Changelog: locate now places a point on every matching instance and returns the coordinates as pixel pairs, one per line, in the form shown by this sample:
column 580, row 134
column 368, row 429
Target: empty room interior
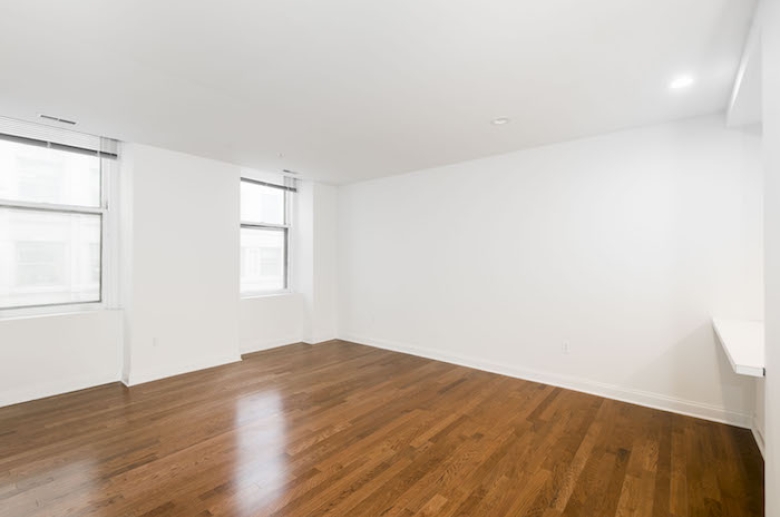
column 413, row 258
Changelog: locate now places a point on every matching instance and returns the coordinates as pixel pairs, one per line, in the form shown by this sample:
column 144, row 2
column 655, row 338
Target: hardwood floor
column 346, row 430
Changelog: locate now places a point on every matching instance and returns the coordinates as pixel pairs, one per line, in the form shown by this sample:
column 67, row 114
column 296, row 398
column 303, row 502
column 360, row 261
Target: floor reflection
column 24, row 494
column 261, row 468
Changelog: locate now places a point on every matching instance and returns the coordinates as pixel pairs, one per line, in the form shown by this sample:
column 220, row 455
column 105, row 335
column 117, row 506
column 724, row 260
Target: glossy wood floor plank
column 341, row 429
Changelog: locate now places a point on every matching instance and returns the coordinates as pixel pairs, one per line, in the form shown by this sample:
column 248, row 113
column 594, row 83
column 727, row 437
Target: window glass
column 261, row 204
column 263, row 259
column 48, row 258
column 40, row 175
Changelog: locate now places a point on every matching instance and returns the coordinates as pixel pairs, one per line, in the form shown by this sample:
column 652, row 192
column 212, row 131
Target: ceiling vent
column 57, row 119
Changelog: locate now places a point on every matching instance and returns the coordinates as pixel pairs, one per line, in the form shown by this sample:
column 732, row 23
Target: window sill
column 253, row 296
column 54, row 310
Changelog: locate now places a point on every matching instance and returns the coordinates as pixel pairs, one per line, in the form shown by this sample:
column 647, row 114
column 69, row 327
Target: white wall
column 182, row 305
column 271, row 321
column 759, row 415
column 303, row 256
column 623, row 245
column 182, row 301
column 325, row 316
column 315, row 270
column 47, row 355
column 770, row 36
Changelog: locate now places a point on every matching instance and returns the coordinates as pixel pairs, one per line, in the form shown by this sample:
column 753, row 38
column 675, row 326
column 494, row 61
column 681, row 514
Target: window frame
column 284, row 228
column 108, row 256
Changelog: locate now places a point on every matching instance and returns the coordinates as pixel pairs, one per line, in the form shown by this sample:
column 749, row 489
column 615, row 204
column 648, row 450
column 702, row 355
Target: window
column 52, row 222
column 264, row 237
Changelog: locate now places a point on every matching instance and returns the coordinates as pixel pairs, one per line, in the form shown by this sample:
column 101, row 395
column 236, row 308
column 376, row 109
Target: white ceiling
column 354, row 89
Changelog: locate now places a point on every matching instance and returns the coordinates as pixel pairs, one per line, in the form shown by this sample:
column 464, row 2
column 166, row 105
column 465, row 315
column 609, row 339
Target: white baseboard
column 758, row 436
column 57, row 387
column 611, row 391
column 249, row 346
column 169, row 371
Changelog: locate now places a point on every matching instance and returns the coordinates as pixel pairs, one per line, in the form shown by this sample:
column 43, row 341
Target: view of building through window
column 264, row 237
column 50, row 226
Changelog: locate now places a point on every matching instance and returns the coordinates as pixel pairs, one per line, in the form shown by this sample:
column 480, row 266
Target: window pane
column 261, row 204
column 41, row 175
column 48, row 258
column 262, row 259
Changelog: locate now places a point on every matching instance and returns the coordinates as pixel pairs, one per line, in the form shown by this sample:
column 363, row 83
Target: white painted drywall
column 770, row 36
column 183, row 301
column 47, row 355
column 315, row 267
column 759, row 415
column 324, row 315
column 183, row 307
column 624, row 245
column 302, row 244
column 271, row 321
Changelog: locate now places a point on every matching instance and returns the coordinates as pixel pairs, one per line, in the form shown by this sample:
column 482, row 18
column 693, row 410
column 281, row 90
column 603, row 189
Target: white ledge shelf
column 743, row 342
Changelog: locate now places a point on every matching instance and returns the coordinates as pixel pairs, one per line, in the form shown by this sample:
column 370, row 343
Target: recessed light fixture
column 681, row 82
column 500, row 121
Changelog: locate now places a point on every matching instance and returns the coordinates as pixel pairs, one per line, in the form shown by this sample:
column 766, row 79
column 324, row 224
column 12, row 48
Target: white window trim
column 288, row 245
column 109, row 259
column 51, row 310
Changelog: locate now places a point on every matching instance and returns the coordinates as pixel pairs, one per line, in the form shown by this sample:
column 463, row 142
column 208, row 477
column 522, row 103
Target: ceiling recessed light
column 681, row 81
column 500, row 121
